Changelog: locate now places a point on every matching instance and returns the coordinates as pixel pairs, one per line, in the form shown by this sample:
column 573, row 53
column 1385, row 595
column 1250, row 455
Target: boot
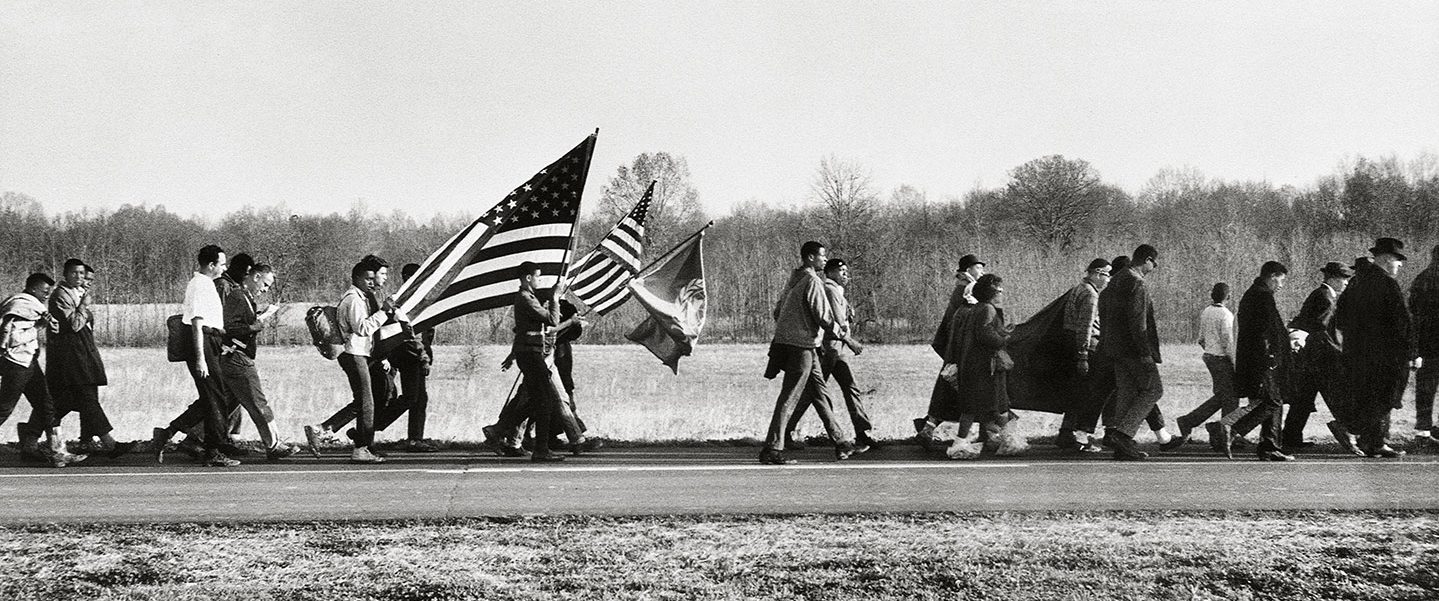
column 59, row 457
column 30, row 443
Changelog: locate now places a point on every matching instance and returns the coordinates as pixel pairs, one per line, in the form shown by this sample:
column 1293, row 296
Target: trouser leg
column 824, row 406
column 843, row 376
column 357, row 371
column 1098, row 386
column 545, row 399
column 513, row 415
column 84, row 400
column 1426, row 382
column 1137, row 389
column 244, row 382
column 797, row 364
column 214, row 401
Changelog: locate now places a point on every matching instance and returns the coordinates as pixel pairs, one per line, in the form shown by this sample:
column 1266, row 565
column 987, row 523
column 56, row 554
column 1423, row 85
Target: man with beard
column 1379, row 346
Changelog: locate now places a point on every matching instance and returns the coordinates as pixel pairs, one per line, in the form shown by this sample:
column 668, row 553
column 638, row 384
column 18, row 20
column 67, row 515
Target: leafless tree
column 675, row 206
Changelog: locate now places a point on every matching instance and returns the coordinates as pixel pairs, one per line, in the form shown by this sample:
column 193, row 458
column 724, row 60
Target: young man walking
column 530, row 350
column 1093, row 374
column 1128, row 338
column 834, row 357
column 21, row 318
column 804, row 316
column 1261, row 366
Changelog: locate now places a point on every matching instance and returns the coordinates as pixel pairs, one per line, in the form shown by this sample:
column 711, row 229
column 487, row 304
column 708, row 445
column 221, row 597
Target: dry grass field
column 624, row 393
column 1379, row 556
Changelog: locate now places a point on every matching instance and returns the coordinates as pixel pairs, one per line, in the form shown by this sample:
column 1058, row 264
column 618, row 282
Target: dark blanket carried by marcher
column 1043, row 375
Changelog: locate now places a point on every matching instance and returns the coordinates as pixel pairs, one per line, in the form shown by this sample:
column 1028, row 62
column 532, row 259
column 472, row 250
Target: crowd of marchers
column 1353, row 342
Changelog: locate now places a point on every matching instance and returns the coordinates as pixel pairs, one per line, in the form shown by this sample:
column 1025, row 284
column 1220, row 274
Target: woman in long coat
column 977, row 347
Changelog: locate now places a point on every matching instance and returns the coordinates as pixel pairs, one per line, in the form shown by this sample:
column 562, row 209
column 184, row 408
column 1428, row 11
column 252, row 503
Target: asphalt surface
column 711, row 480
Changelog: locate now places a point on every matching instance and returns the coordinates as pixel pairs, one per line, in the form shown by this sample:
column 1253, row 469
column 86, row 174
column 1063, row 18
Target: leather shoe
column 547, row 458
column 1221, row 438
column 120, row 448
column 1124, row 447
column 1066, row 440
column 159, row 439
column 1386, row 452
column 1341, row 435
column 773, row 457
column 1176, row 442
column 588, row 445
column 312, row 436
column 1274, row 455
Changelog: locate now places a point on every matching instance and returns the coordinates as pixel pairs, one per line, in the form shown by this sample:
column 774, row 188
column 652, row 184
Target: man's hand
column 201, row 368
column 854, row 345
column 1417, row 363
column 507, row 363
column 950, row 372
column 388, row 305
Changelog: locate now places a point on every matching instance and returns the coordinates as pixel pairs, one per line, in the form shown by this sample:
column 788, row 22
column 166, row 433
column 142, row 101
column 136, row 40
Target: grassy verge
column 1369, row 555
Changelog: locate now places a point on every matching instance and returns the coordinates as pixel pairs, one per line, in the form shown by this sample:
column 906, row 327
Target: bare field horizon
column 623, row 393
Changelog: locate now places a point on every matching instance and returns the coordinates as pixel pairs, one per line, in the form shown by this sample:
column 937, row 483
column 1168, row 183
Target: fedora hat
column 1389, row 246
column 1335, row 269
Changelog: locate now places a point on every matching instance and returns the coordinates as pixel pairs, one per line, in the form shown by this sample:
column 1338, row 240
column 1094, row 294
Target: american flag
column 600, row 281
column 475, row 269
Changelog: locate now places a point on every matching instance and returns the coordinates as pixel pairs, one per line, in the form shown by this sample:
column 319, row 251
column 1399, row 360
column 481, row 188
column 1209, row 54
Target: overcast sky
column 426, row 106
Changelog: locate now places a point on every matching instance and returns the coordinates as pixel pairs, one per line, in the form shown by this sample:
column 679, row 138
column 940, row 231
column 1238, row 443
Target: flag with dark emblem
column 672, row 290
column 475, row 269
column 602, row 278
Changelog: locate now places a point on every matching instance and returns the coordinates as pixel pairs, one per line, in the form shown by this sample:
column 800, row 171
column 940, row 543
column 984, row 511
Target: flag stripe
column 614, row 276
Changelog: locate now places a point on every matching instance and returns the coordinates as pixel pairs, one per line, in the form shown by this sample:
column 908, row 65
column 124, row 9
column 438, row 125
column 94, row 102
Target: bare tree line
column 1038, row 230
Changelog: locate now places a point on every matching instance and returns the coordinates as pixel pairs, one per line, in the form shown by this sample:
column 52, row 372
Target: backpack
column 324, row 325
column 179, row 345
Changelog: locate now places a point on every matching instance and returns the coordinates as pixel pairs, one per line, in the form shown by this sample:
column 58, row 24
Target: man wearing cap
column 1129, row 338
column 943, row 402
column 1260, row 365
column 1378, row 341
column 1094, row 376
column 834, row 355
column 1424, row 306
column 1317, row 368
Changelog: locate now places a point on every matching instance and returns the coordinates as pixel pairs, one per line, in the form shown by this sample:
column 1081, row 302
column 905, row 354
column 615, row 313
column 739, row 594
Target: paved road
column 697, row 480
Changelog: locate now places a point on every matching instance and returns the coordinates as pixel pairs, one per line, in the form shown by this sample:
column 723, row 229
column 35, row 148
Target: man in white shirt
column 22, row 316
column 1216, row 337
column 205, row 315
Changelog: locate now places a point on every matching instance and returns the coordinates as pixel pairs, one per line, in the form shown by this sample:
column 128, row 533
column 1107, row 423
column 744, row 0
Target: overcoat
column 1376, row 334
column 1261, row 351
column 71, row 357
column 976, row 336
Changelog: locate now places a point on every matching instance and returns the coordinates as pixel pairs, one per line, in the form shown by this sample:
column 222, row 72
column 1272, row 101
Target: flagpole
column 672, row 251
column 565, row 261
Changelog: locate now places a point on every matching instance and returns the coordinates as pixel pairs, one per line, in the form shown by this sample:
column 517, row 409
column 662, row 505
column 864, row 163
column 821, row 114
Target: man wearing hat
column 1317, row 368
column 1260, row 365
column 1128, row 338
column 1378, row 345
column 1424, row 307
column 1094, row 376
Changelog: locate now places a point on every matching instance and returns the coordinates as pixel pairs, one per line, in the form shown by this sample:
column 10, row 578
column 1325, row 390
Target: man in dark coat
column 1316, row 367
column 1424, row 307
column 75, row 371
column 1128, row 337
column 1260, row 364
column 1379, row 346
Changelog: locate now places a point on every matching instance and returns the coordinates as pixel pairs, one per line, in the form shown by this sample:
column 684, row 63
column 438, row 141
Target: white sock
column 1163, row 436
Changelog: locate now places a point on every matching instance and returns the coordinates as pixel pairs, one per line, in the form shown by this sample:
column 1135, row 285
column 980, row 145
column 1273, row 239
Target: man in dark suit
column 1128, row 337
column 1316, row 367
column 1379, row 347
column 1260, row 365
column 1424, row 307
